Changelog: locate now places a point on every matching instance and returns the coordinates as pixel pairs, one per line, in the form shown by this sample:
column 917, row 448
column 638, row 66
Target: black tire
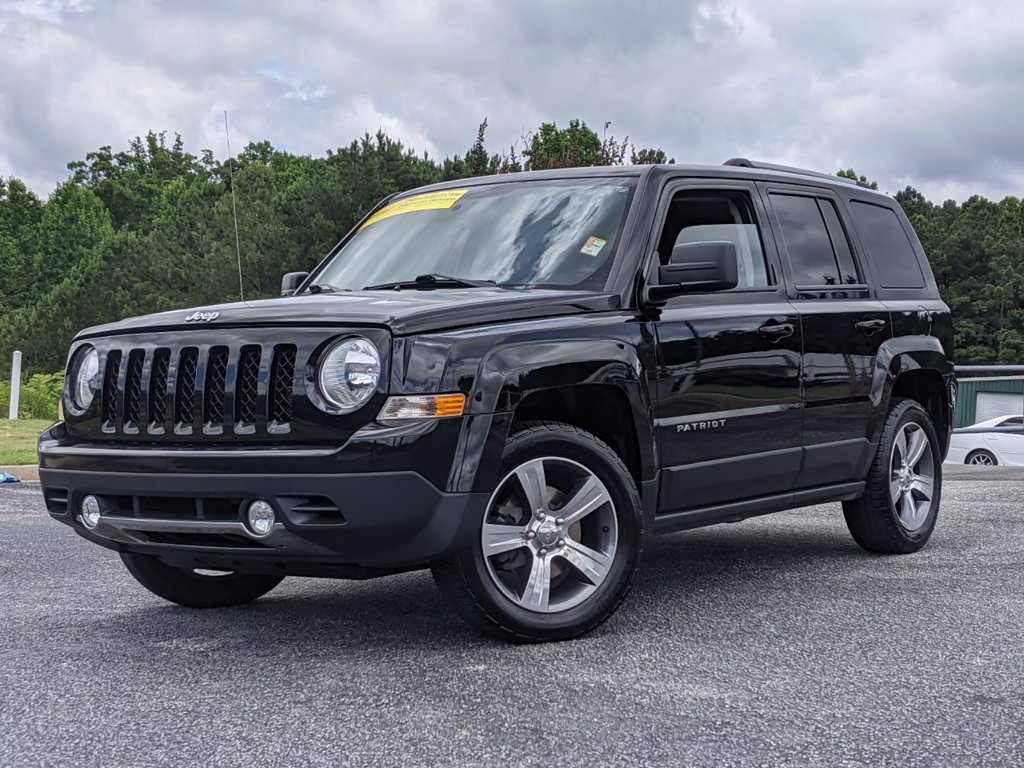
column 474, row 587
column 873, row 519
column 989, row 458
column 192, row 589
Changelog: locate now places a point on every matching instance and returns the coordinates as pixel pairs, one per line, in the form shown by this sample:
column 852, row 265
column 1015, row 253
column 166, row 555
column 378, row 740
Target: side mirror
column 291, row 282
column 708, row 266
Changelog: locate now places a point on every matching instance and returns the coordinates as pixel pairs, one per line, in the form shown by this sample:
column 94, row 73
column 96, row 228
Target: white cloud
column 926, row 93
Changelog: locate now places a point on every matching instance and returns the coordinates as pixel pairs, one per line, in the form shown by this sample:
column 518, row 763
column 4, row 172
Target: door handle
column 870, row 326
column 776, row 332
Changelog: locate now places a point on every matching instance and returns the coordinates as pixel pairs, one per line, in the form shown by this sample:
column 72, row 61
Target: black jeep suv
column 513, row 380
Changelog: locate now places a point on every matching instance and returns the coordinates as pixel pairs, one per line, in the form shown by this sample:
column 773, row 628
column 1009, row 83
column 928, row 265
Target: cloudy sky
column 922, row 92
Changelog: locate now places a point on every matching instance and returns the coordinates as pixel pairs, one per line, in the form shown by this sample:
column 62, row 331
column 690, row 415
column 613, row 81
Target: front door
column 728, row 382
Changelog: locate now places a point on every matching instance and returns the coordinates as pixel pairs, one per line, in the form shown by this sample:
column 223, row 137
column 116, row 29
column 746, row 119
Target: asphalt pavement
column 771, row 642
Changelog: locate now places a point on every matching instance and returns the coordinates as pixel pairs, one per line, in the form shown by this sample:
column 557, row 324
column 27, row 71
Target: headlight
column 85, row 378
column 349, row 373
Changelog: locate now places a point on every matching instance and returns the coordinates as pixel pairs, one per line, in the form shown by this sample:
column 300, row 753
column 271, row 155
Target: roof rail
column 742, row 162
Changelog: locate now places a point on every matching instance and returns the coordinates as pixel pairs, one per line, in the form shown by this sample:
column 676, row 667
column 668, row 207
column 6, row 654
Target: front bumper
column 351, row 523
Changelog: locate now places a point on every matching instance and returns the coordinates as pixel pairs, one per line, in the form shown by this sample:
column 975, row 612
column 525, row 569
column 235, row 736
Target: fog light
column 90, row 511
column 260, row 517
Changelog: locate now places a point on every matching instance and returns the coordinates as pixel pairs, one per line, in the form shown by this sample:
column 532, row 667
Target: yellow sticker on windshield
column 431, row 201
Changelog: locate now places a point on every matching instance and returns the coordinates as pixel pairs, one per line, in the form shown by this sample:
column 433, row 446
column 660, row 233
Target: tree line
column 150, row 228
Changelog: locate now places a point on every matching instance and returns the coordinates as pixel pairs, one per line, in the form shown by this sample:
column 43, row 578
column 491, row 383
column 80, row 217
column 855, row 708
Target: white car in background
column 988, row 443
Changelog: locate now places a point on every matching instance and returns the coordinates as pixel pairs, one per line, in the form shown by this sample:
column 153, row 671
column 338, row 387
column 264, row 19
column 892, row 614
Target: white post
column 12, row 413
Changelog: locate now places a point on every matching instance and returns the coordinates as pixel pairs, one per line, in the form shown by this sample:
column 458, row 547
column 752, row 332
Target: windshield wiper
column 430, row 281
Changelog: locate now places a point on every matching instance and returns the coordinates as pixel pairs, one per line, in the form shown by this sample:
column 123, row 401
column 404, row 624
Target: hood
column 403, row 312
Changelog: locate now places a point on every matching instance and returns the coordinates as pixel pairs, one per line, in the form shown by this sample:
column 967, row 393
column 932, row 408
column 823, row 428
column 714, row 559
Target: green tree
column 130, row 183
column 851, row 174
column 551, row 147
column 20, row 214
column 74, row 223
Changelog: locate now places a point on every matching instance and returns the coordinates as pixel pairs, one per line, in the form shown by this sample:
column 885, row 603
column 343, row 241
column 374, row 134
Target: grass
column 18, row 440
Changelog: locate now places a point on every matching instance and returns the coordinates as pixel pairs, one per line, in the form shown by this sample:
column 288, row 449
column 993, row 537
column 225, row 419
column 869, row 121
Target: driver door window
column 718, row 216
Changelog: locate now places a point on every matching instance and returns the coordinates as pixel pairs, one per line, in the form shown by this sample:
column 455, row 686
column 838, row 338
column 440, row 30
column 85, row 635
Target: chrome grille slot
column 185, row 391
column 158, row 391
column 133, row 391
column 282, row 374
column 213, row 391
column 110, row 399
column 247, row 389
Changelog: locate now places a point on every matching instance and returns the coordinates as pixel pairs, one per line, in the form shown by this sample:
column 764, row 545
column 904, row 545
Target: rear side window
column 819, row 253
column 888, row 246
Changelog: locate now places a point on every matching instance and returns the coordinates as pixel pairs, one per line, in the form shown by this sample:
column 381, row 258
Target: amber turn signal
column 406, row 407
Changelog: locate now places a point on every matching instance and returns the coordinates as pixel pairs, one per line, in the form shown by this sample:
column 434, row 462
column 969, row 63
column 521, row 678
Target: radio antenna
column 234, row 208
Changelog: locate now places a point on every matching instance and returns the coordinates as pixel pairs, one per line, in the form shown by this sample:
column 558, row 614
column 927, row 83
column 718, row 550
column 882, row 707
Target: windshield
column 558, row 233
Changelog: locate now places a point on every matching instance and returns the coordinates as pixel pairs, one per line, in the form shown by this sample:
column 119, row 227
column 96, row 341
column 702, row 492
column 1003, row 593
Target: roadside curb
column 27, row 473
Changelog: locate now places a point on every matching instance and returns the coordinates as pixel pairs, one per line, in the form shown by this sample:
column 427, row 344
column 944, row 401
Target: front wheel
column 897, row 513
column 195, row 588
column 559, row 543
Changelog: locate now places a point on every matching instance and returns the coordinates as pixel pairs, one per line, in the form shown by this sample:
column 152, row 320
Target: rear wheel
column 559, row 543
column 194, row 587
column 981, row 458
column 897, row 513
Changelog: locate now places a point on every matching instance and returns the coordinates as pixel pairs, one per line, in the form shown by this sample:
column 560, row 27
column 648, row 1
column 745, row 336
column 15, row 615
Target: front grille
column 199, row 390
column 173, row 507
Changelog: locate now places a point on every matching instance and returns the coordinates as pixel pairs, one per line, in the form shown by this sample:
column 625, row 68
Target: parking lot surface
column 771, row 642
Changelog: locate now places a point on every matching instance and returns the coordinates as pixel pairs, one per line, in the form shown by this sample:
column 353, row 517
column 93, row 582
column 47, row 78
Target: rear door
column 843, row 326
column 728, row 379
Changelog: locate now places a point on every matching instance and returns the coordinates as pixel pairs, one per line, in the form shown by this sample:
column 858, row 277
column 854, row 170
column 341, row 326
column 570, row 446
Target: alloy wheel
column 550, row 534
column 912, row 476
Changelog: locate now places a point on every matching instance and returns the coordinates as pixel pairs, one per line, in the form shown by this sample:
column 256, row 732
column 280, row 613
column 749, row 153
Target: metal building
column 980, row 399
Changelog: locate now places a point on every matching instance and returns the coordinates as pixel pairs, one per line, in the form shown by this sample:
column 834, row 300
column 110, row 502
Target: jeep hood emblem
column 202, row 317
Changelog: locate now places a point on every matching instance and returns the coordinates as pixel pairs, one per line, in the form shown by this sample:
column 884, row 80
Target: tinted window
column 1016, row 421
column 811, row 255
column 888, row 246
column 710, row 216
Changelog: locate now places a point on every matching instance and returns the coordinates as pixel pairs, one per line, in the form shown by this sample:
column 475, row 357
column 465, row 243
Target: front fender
column 497, row 366
column 510, row 373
